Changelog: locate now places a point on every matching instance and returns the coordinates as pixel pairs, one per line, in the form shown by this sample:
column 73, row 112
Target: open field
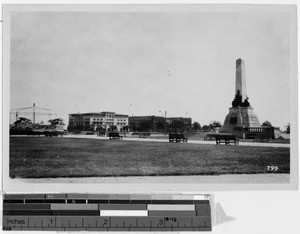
column 70, row 157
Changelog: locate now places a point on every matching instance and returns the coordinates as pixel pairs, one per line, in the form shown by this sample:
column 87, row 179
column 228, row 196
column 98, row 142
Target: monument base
column 240, row 117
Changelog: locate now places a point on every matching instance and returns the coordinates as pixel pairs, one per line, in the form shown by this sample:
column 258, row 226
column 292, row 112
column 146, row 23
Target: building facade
column 146, row 123
column 93, row 120
column 156, row 123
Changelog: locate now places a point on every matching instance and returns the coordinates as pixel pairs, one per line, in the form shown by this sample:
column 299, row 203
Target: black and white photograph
column 186, row 94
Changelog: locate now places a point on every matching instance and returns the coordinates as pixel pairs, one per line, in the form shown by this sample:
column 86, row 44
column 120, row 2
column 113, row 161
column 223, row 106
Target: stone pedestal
column 240, row 117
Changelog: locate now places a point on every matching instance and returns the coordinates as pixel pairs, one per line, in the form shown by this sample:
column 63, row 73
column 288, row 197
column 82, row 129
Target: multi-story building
column 146, row 123
column 155, row 123
column 92, row 120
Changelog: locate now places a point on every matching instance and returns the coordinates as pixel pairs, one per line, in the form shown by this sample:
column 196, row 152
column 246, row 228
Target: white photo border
column 14, row 185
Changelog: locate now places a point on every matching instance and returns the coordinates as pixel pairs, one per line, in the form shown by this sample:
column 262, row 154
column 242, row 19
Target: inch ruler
column 106, row 212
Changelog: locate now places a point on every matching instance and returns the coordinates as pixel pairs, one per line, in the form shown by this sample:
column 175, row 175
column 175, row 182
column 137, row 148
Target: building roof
column 89, row 113
column 99, row 113
column 146, row 116
column 178, row 118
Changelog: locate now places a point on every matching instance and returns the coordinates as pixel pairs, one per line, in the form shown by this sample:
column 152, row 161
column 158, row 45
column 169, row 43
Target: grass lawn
column 68, row 157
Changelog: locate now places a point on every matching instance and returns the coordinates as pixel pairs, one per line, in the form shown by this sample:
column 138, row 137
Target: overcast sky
column 141, row 63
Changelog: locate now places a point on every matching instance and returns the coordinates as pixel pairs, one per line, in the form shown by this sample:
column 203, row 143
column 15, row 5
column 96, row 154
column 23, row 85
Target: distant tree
column 100, row 128
column 57, row 121
column 196, row 126
column 266, row 124
column 113, row 128
column 21, row 126
column 22, row 121
column 215, row 124
column 205, row 128
column 125, row 128
column 74, row 128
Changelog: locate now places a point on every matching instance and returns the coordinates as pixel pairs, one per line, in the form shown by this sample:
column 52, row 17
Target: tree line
column 24, row 125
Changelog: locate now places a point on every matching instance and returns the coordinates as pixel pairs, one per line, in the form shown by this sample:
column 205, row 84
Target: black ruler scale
column 103, row 212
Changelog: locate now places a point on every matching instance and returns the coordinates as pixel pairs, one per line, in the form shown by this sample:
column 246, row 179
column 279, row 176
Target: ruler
column 106, row 212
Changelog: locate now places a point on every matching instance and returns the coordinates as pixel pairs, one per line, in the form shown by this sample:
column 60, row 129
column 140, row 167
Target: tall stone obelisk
column 241, row 113
column 240, row 79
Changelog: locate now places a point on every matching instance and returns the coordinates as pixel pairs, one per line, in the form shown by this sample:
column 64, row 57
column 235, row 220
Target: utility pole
column 165, row 122
column 33, row 113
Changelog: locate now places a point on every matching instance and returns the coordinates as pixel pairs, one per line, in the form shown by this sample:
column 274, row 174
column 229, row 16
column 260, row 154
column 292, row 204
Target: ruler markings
column 172, row 213
column 74, row 223
column 178, row 214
